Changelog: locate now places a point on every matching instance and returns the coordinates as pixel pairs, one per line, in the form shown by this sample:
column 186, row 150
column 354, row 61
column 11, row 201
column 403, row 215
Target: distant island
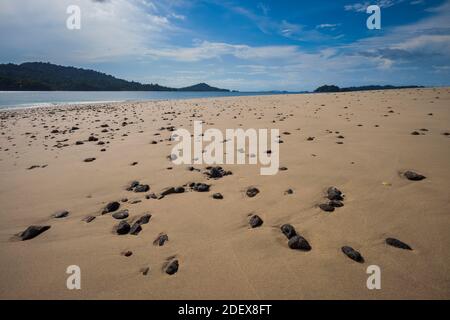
column 333, row 88
column 40, row 76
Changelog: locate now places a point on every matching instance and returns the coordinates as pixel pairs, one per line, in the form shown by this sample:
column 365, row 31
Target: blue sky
column 243, row 45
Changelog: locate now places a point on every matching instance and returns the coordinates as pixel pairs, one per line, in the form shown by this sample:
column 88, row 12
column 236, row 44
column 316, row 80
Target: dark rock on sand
column 133, row 185
column 161, row 239
column 326, row 207
column 142, row 188
column 32, row 232
column 145, row 271
column 288, row 230
column 251, row 192
column 352, row 254
column 89, row 159
column 255, row 221
column 151, row 196
column 144, row 219
column 128, row 253
column 413, row 176
column 172, row 267
column 123, row 227
column 61, row 214
column 200, row 187
column 123, row 214
column 111, row 207
column 217, row 196
column 217, row 172
column 135, row 228
column 172, row 190
column 334, row 193
column 299, row 243
column 336, row 203
column 89, row 219
column 397, row 243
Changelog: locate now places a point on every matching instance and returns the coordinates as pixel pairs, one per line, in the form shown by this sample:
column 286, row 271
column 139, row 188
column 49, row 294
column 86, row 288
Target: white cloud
column 109, row 29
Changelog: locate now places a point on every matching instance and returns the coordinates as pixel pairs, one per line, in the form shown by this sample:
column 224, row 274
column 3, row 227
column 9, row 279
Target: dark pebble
column 32, row 232
column 88, row 219
column 299, row 243
column 123, row 227
column 255, row 221
column 251, row 192
column 136, row 228
column 111, row 207
column 288, row 230
column 123, row 214
column 200, row 187
column 397, row 243
column 144, row 219
column 142, row 188
column 334, row 193
column 89, row 159
column 161, row 239
column 352, row 254
column 336, row 203
column 61, row 214
column 217, row 196
column 326, row 207
column 413, row 176
column 172, row 267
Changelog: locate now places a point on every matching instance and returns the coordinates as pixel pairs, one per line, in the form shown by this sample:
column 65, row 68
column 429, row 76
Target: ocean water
column 24, row 99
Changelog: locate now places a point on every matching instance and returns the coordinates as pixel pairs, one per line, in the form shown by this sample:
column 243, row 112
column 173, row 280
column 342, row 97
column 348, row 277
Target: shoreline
column 257, row 94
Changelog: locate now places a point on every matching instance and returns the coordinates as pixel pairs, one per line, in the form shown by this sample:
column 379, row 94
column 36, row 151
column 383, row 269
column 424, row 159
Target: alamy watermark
column 191, row 149
column 73, row 22
column 374, row 20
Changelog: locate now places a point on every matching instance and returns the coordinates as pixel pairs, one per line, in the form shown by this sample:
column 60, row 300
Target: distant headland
column 40, row 76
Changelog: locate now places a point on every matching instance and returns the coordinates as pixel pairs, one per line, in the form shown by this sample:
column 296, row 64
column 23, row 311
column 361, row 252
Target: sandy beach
column 360, row 142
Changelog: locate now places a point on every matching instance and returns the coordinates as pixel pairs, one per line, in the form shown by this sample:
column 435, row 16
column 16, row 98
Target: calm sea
column 23, row 99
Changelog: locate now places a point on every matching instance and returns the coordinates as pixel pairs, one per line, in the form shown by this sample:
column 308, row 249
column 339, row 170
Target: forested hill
column 333, row 88
column 34, row 76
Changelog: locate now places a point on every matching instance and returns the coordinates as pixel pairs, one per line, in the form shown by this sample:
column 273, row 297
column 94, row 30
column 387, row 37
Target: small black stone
column 413, row 176
column 256, row 221
column 397, row 243
column 32, row 232
column 217, row 196
column 251, row 192
column 161, row 239
column 352, row 254
column 334, row 193
column 326, row 207
column 144, row 219
column 200, row 187
column 288, row 230
column 61, row 214
column 336, row 203
column 135, row 228
column 89, row 159
column 88, row 219
column 299, row 243
column 123, row 227
column 142, row 188
column 111, row 207
column 123, row 214
column 172, row 267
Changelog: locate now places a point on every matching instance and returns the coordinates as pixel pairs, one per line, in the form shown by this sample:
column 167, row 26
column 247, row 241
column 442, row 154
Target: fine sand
column 220, row 256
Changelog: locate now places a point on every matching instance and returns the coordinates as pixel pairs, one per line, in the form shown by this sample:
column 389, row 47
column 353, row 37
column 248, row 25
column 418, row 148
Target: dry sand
column 220, row 256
